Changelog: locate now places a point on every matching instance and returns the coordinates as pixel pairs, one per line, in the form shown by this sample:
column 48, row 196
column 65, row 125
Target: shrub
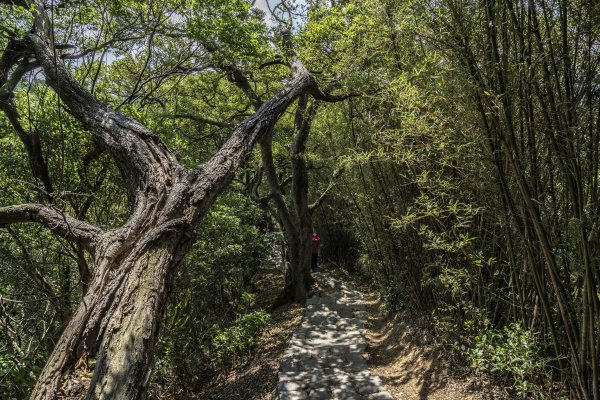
column 512, row 353
column 15, row 378
column 230, row 344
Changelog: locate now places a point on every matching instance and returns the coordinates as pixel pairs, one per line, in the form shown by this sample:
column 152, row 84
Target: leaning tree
column 117, row 321
column 295, row 219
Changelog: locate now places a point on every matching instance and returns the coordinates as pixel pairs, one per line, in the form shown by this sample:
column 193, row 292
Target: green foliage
column 230, row 344
column 15, row 378
column 431, row 205
column 514, row 353
column 393, row 295
column 420, row 197
column 232, row 30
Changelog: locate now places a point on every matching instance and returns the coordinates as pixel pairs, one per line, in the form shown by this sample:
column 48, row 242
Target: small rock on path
column 325, row 358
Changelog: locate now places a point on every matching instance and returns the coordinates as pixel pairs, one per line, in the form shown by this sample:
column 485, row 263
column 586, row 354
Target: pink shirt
column 315, row 243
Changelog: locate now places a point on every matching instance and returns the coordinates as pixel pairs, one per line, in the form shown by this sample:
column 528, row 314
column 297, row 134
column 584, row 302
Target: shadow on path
column 325, row 357
column 411, row 368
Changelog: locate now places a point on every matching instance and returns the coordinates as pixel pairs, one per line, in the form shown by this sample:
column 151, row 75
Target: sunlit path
column 325, row 358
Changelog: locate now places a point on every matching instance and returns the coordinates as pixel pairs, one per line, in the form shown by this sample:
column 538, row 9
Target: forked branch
column 55, row 220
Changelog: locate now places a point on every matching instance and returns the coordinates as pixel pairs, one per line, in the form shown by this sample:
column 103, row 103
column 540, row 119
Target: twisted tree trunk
column 116, row 324
column 296, row 221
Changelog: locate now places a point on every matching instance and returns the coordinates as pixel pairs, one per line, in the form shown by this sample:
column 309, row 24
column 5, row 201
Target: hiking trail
column 324, row 360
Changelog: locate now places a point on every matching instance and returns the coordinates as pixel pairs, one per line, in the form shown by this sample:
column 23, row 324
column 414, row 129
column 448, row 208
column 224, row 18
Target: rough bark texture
column 12, row 69
column 54, row 219
column 117, row 322
column 297, row 221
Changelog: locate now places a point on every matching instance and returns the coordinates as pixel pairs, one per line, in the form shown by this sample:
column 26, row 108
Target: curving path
column 325, row 358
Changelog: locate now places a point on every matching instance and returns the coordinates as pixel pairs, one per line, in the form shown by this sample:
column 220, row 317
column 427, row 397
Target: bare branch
column 13, row 79
column 33, row 147
column 318, row 94
column 16, row 54
column 83, row 53
column 235, row 151
column 93, row 154
column 275, row 186
column 21, row 3
column 277, row 61
column 55, row 220
column 142, row 158
column 326, row 192
column 17, row 58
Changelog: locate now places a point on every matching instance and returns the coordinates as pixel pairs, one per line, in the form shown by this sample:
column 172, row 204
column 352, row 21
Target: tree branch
column 16, row 53
column 55, row 220
column 275, row 187
column 319, row 94
column 237, row 77
column 142, row 158
column 277, row 61
column 21, row 3
column 326, row 192
column 13, row 80
column 83, row 53
column 302, row 124
column 221, row 167
column 18, row 56
column 33, row 147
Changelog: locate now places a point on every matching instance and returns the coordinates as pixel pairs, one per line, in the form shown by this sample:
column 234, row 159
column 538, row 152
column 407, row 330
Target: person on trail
column 315, row 251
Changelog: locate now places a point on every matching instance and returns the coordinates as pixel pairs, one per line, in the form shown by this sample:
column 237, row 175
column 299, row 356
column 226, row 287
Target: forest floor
column 400, row 351
column 410, row 367
column 256, row 377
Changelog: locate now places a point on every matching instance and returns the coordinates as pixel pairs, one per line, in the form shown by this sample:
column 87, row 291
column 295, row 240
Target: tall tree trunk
column 296, row 233
column 116, row 324
column 297, row 277
column 297, row 220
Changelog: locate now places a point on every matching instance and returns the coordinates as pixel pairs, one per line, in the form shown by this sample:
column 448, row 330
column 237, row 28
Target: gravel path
column 325, row 358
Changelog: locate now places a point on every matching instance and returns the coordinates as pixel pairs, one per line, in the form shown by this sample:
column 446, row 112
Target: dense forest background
column 457, row 170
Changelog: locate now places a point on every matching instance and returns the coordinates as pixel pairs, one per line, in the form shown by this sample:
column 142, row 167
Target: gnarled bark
column 55, row 220
column 117, row 322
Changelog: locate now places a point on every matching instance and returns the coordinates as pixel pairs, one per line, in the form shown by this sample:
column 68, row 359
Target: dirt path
column 397, row 350
column 325, row 357
column 411, row 369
